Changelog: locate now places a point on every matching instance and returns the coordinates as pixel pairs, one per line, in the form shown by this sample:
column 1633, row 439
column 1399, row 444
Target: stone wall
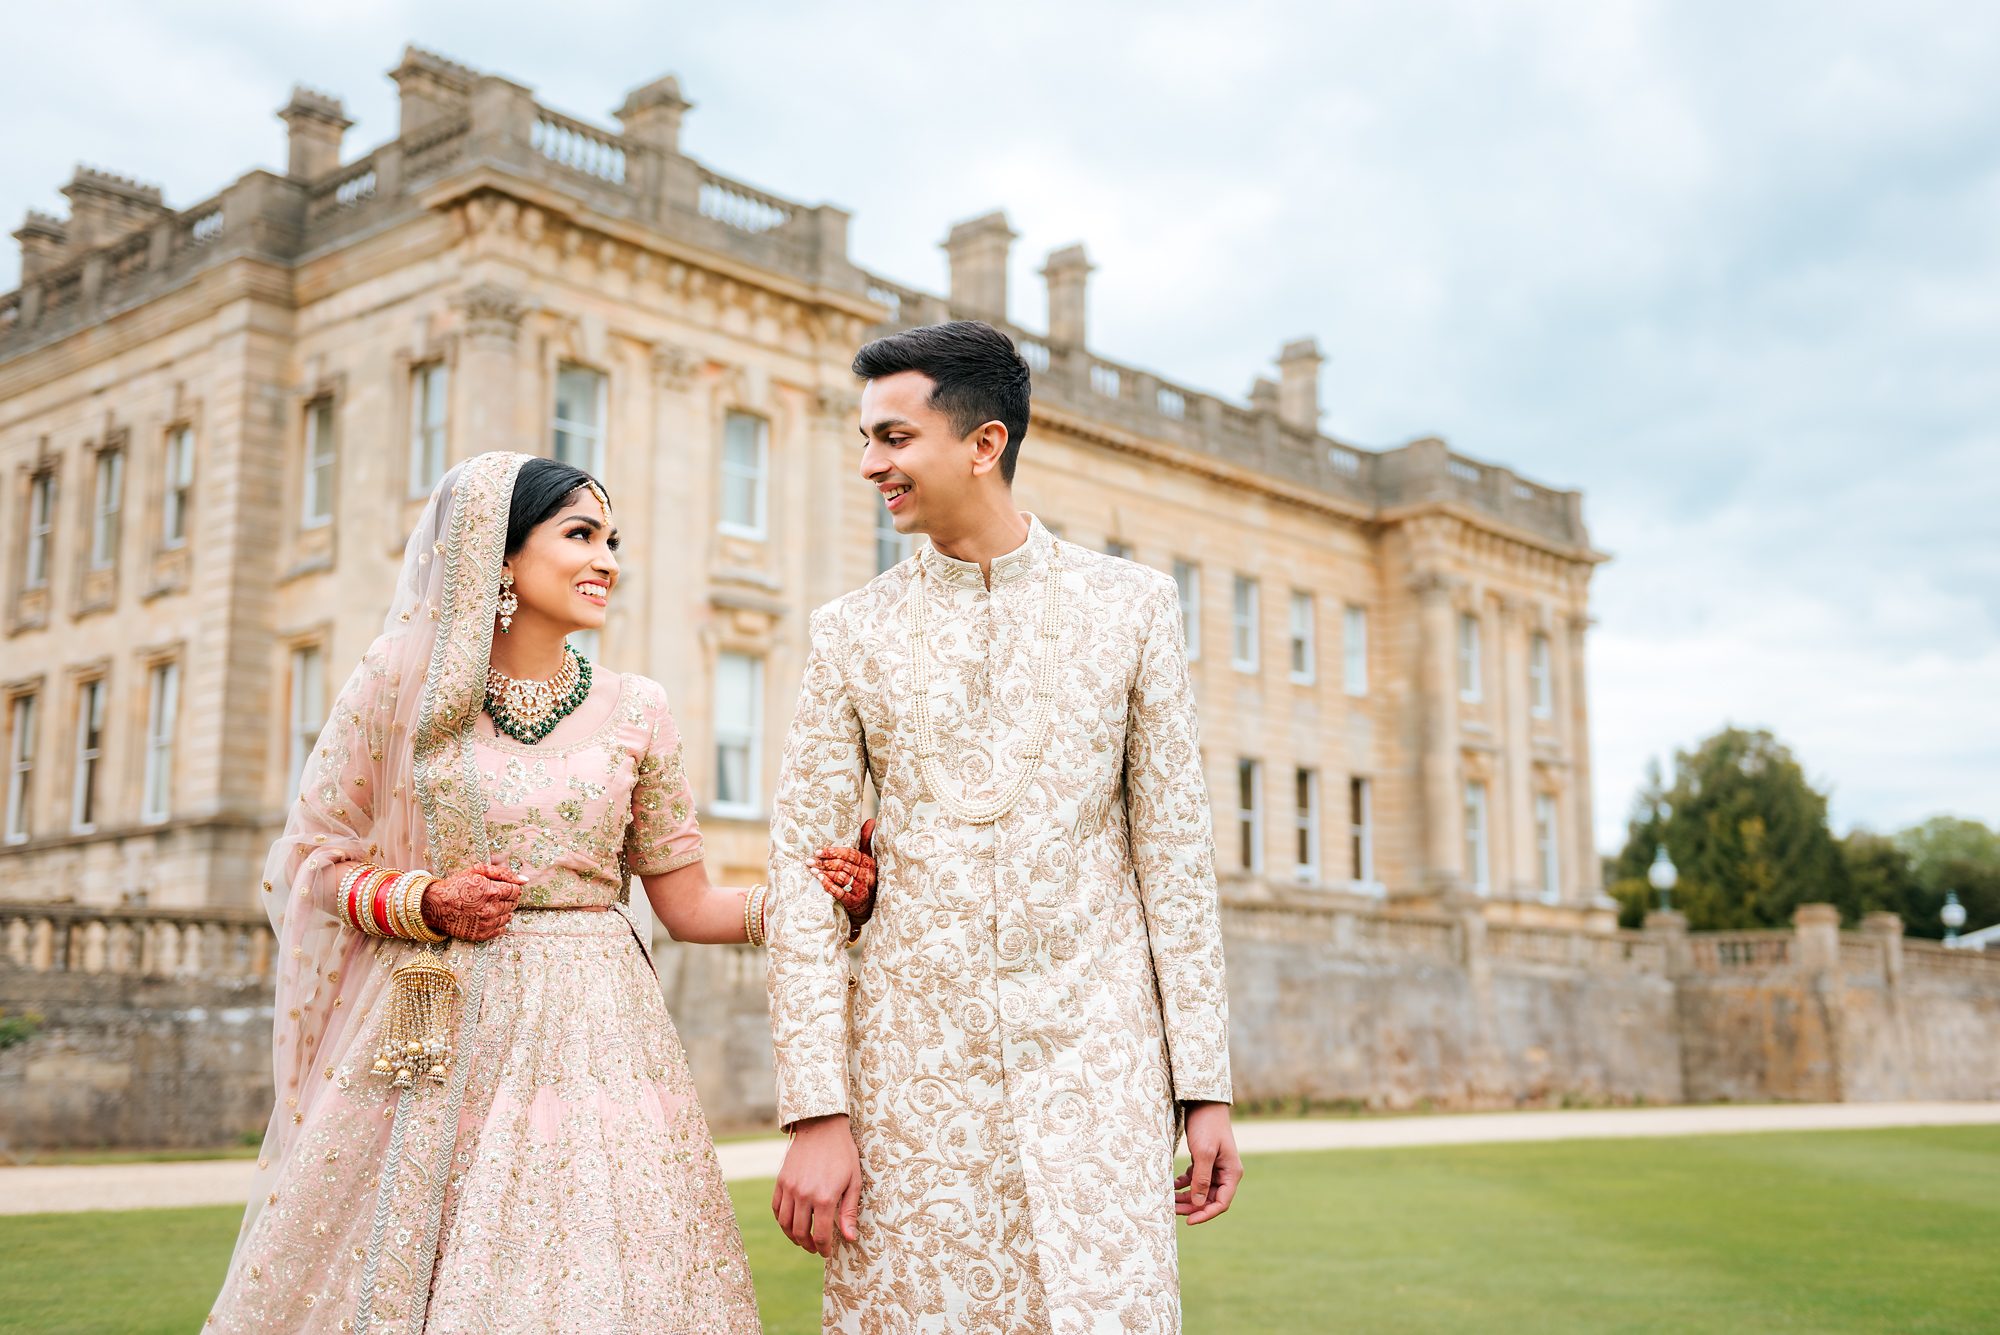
column 158, row 1024
column 125, row 1060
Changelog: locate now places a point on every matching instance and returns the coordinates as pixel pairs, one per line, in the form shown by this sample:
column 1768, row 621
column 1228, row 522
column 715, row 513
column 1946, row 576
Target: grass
column 1822, row 1232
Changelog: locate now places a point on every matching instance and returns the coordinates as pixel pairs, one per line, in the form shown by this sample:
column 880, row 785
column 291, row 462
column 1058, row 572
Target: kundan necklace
column 528, row 711
column 1045, row 700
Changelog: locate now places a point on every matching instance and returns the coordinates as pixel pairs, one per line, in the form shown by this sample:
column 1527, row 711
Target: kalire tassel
column 417, row 1031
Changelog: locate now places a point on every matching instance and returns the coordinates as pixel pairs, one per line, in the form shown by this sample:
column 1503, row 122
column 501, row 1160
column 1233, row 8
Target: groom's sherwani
column 1035, row 994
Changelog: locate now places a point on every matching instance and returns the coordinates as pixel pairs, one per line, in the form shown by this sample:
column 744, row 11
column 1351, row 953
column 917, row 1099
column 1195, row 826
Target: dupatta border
column 455, row 829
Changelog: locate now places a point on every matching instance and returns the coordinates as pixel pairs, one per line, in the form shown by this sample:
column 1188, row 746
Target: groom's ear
column 989, row 444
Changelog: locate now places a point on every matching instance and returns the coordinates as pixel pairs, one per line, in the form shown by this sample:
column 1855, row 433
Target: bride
column 484, row 1119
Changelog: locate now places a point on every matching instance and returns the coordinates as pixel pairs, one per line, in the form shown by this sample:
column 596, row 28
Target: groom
column 986, row 1118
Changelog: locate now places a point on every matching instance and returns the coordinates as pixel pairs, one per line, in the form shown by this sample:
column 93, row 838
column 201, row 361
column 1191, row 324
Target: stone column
column 1443, row 813
column 1671, row 929
column 1523, row 856
column 831, row 487
column 1887, row 930
column 680, row 521
column 489, row 369
column 1816, row 946
column 1573, row 805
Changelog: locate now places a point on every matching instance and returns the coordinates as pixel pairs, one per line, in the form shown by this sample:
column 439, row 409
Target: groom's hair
column 980, row 378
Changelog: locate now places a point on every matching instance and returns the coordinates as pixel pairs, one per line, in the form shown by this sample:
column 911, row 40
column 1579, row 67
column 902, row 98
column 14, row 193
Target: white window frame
column 1243, row 624
column 891, row 548
column 21, row 766
column 163, row 688
column 1305, row 824
column 745, row 735
column 430, row 420
column 1187, row 581
column 1304, row 666
column 756, row 476
column 177, row 496
column 316, row 495
column 1250, row 819
column 1361, row 834
column 1121, row 550
column 588, row 641
column 1354, row 650
column 106, row 498
column 1548, row 846
column 86, row 792
column 591, row 434
column 308, row 711
column 1478, row 841
column 41, row 529
column 1468, row 658
column 1541, row 688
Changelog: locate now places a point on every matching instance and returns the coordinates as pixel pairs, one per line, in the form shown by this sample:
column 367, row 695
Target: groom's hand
column 1209, row 1184
column 819, row 1188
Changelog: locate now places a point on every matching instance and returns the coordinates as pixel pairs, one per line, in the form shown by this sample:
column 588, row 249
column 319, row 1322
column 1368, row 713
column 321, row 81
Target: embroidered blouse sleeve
column 663, row 835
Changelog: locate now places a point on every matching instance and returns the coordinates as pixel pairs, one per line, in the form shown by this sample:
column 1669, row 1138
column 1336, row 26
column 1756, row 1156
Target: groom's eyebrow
column 884, row 425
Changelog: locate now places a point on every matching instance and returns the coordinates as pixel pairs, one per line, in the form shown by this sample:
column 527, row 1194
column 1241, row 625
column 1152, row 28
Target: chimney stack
column 314, row 124
column 1067, row 274
column 103, row 207
column 44, row 241
column 432, row 88
column 1298, row 396
column 978, row 252
column 1263, row 395
column 652, row 114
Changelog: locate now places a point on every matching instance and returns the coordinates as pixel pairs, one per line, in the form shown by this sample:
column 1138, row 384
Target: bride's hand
column 475, row 904
column 848, row 874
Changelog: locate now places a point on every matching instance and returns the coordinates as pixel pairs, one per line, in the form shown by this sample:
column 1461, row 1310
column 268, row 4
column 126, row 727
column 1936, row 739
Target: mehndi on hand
column 475, row 904
column 848, row 874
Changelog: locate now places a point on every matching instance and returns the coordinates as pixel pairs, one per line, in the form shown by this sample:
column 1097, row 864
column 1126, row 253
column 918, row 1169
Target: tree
column 1746, row 830
column 1948, row 854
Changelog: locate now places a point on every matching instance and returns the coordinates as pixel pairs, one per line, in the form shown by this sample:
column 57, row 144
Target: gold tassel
column 417, row 1030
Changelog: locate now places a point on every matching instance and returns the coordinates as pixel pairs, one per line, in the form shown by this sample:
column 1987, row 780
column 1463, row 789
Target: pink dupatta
column 390, row 781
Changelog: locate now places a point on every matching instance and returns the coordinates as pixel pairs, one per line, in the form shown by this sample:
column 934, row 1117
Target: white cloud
column 1728, row 268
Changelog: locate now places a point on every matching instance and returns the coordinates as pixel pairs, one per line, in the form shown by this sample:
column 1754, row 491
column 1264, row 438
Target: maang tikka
column 509, row 604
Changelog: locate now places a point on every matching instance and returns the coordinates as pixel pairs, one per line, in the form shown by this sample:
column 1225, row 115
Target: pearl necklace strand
column 1038, row 728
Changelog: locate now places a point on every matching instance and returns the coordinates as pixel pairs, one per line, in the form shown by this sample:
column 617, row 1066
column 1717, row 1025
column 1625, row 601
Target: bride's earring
column 509, row 604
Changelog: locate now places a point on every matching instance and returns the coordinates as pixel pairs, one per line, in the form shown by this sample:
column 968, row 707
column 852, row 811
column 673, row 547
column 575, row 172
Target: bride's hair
column 541, row 488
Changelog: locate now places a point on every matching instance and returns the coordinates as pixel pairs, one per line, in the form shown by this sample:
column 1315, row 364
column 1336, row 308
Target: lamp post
column 1664, row 876
column 1952, row 915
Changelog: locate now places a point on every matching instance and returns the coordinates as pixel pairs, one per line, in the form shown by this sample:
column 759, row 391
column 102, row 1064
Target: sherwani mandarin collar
column 1029, row 559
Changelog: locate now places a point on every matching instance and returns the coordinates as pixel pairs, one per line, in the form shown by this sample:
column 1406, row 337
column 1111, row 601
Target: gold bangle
column 413, row 909
column 753, row 915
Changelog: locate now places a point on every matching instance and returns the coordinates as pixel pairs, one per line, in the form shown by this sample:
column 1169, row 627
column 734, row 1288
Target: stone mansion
column 219, row 423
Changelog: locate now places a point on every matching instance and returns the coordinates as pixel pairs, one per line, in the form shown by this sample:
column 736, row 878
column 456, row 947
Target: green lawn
column 1892, row 1231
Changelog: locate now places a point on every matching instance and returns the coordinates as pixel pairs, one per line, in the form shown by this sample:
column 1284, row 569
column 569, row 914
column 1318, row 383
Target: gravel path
column 144, row 1186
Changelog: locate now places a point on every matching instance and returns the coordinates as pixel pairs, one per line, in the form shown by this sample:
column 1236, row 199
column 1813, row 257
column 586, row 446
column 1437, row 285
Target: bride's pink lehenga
column 561, row 1176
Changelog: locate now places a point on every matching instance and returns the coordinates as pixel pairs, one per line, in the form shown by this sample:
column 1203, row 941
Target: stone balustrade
column 135, row 940
column 500, row 129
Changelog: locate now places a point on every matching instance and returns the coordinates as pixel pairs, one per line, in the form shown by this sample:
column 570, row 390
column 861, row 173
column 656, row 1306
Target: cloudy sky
column 1733, row 269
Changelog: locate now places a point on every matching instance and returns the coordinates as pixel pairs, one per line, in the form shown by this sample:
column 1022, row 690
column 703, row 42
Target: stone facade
column 218, row 423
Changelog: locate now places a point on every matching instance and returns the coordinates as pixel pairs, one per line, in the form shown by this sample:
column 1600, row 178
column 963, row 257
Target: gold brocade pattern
column 1035, row 995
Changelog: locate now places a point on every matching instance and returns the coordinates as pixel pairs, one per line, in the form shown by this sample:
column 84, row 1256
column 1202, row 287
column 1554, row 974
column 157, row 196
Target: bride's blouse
column 575, row 817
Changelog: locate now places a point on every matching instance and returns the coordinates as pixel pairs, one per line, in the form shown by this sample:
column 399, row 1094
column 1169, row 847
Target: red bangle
column 377, row 909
